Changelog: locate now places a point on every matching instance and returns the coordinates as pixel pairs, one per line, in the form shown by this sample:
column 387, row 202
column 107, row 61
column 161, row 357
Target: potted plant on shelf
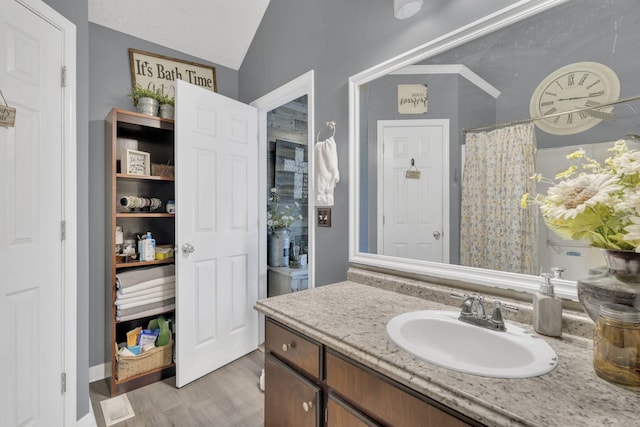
column 145, row 100
column 166, row 106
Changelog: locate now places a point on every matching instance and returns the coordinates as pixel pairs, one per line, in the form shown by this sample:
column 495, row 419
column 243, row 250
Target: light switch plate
column 324, row 217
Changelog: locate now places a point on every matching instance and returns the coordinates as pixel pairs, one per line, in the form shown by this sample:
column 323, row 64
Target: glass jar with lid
column 616, row 345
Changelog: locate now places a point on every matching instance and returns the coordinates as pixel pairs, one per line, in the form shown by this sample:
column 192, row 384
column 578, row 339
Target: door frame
column 300, row 86
column 446, row 198
column 69, row 203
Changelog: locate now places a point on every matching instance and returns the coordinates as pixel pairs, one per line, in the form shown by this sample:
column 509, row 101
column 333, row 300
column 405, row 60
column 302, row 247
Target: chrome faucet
column 473, row 312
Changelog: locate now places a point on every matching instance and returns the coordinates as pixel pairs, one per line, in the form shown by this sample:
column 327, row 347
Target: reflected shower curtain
column 496, row 233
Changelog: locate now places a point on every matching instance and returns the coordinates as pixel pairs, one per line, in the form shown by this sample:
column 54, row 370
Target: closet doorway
column 285, row 120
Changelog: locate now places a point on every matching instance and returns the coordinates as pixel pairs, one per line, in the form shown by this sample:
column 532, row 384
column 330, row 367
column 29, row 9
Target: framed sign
column 155, row 72
column 137, row 163
column 412, row 99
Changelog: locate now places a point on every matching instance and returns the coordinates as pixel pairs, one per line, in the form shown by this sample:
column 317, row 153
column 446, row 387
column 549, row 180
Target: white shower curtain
column 495, row 232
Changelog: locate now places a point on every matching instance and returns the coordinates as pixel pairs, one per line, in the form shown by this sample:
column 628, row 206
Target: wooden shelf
column 144, row 177
column 144, row 215
column 155, row 136
column 145, row 263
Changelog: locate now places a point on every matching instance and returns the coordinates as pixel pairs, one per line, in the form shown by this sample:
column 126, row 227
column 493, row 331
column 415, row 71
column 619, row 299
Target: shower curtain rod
column 546, row 116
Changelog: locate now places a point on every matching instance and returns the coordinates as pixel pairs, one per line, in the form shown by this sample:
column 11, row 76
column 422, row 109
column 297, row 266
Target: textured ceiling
column 219, row 31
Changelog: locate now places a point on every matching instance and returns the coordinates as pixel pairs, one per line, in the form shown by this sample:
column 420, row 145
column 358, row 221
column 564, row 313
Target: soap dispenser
column 547, row 309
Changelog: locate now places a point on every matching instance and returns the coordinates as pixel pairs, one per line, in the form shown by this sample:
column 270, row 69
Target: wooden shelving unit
column 156, row 137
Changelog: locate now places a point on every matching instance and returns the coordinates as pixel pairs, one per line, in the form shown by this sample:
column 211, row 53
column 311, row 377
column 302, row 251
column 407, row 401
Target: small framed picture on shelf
column 137, row 163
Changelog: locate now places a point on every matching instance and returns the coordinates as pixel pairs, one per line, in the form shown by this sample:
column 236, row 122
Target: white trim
column 492, row 22
column 99, row 372
column 69, row 202
column 300, row 86
column 446, row 180
column 459, row 69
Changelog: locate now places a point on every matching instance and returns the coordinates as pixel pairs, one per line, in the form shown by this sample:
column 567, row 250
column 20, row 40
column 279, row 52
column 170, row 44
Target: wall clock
column 578, row 85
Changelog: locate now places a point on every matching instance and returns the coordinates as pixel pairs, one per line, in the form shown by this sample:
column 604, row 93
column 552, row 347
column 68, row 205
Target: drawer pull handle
column 286, row 347
column 307, row 406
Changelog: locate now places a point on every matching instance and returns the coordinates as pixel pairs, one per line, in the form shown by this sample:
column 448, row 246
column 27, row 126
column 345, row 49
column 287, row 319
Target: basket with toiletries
column 145, row 350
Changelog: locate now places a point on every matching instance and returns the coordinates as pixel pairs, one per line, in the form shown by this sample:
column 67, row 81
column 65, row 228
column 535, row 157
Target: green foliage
column 140, row 92
column 164, row 99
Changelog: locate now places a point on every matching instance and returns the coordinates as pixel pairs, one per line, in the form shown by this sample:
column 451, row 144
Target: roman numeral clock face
column 574, row 86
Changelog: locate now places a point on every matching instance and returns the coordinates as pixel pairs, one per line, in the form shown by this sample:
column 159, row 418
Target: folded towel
column 143, row 302
column 147, row 313
column 145, row 285
column 159, row 288
column 134, row 310
column 134, row 277
column 325, row 159
column 145, row 298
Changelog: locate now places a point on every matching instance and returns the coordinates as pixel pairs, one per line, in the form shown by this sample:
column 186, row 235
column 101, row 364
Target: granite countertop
column 351, row 318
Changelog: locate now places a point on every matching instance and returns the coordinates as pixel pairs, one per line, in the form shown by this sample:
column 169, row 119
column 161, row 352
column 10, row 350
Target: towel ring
column 331, row 125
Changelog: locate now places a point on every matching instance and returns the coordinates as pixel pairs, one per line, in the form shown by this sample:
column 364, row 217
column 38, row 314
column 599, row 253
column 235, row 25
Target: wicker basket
column 159, row 169
column 130, row 366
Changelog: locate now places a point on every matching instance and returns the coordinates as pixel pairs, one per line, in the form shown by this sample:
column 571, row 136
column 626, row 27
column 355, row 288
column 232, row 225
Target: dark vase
column 618, row 283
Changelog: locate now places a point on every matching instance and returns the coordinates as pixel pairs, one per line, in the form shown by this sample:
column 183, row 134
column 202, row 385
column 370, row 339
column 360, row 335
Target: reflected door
column 413, row 204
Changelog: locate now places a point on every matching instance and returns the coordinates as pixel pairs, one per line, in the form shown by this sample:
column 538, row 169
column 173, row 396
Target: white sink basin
column 440, row 338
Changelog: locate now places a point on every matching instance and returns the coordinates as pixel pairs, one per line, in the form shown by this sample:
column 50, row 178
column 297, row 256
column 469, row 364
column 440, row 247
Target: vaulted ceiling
column 219, row 31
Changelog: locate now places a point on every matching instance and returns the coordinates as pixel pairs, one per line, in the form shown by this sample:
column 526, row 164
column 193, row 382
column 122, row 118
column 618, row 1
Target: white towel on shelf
column 158, row 288
column 146, row 285
column 126, row 300
column 327, row 175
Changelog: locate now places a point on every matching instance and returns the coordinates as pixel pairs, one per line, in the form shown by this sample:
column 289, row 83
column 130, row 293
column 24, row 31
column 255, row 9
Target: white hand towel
column 325, row 160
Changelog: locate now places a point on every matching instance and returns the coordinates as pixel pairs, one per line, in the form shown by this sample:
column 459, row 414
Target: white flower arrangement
column 596, row 202
column 281, row 218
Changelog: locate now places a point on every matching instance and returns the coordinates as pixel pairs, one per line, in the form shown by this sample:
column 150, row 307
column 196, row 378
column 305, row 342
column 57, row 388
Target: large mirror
column 411, row 120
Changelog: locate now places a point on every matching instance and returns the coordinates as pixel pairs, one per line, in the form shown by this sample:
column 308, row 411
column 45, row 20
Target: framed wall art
column 137, row 163
column 158, row 72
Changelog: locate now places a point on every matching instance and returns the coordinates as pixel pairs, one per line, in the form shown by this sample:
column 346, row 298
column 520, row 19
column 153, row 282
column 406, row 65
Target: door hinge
column 63, row 230
column 63, row 79
column 63, row 380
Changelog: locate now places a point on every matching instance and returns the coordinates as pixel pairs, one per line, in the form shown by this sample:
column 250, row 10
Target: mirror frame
column 450, row 272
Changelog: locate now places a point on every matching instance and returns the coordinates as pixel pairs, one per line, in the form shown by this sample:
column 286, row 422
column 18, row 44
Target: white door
column 413, row 224
column 31, row 213
column 216, row 231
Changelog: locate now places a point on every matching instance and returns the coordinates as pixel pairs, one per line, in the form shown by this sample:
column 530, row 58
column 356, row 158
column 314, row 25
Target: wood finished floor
column 229, row 396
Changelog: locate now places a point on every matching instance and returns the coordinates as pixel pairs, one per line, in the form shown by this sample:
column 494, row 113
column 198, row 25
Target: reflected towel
column 327, row 175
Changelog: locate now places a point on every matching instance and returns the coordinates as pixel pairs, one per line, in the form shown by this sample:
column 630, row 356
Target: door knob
column 188, row 248
column 307, row 406
column 436, row 235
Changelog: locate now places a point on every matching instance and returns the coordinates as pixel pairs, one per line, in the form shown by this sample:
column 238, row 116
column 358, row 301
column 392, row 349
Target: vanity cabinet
column 347, row 393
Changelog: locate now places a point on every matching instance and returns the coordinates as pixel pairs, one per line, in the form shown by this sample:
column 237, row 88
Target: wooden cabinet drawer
column 382, row 400
column 341, row 414
column 290, row 399
column 297, row 350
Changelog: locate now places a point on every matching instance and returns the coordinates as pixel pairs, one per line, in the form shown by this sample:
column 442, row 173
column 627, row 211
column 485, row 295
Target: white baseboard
column 88, row 420
column 99, row 372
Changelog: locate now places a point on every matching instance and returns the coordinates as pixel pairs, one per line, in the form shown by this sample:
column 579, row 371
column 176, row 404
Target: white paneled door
column 216, row 231
column 31, row 214
column 413, row 221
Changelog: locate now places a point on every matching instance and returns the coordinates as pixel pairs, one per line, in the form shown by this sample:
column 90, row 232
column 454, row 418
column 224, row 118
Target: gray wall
column 515, row 60
column 337, row 39
column 110, row 82
column 77, row 12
